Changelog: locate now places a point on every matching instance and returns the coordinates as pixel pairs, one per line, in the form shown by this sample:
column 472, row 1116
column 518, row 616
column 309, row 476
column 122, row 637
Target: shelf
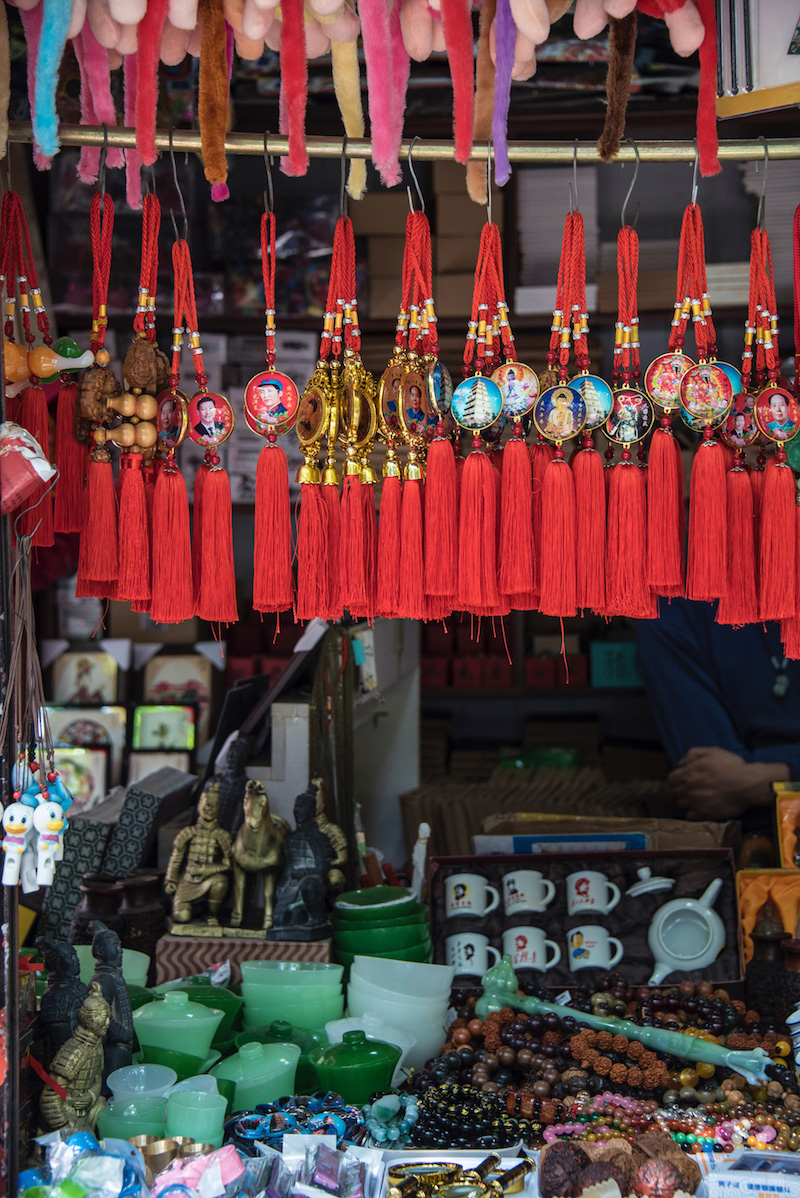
column 440, row 694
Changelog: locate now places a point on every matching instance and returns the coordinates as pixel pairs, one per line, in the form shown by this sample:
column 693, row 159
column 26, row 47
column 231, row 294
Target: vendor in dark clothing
column 727, row 704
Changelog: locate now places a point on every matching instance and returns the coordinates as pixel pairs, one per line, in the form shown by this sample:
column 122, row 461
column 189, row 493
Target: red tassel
column 441, row 499
column 776, row 544
column 351, row 545
column 627, row 592
column 370, row 548
column 516, row 568
column 69, row 511
column 215, row 590
column 133, row 581
column 172, row 589
column 740, row 604
column 333, row 588
column 790, row 629
column 149, row 479
column 438, row 607
column 388, row 567
column 412, row 577
column 665, row 513
column 312, row 532
column 541, row 455
column 558, row 540
column 757, row 476
column 33, row 416
column 477, row 533
column 198, row 542
column 98, row 564
column 707, row 565
column 272, row 557
column 590, row 506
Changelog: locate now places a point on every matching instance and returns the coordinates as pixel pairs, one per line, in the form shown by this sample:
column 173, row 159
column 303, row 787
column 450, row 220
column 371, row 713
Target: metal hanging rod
column 543, row 152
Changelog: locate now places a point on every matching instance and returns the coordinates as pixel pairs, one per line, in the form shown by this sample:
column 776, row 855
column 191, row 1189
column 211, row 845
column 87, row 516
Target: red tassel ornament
column 665, row 513
column 312, row 534
column 133, row 581
column 215, row 599
column 69, row 509
column 790, row 629
column 441, row 491
column 477, row 533
column 590, row 503
column 352, row 544
column 777, row 598
column 541, row 455
column 33, row 417
column 558, row 593
column 412, row 564
column 516, row 573
column 388, row 565
column 332, row 504
column 272, row 560
column 627, row 590
column 98, row 564
column 739, row 605
column 707, row 559
column 172, row 597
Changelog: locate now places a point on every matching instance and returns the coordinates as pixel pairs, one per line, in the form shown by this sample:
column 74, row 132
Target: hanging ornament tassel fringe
column 33, row 417
column 541, row 454
column 312, row 532
column 133, row 581
column 627, row 592
column 351, row 546
column 558, row 544
column 707, row 561
column 739, row 605
column 516, row 566
column 331, row 502
column 172, row 590
column 776, row 543
column 665, row 513
column 370, row 548
column 790, row 629
column 98, row 565
column 477, row 533
column 272, row 562
column 216, row 587
column 590, row 503
column 412, row 577
column 388, row 565
column 441, row 496
column 69, row 512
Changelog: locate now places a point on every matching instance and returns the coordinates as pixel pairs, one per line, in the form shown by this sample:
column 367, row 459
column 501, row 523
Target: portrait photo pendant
column 631, row 418
column 271, row 400
column 662, row 379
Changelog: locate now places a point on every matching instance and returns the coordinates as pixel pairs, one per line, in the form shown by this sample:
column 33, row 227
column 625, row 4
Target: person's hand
column 712, row 783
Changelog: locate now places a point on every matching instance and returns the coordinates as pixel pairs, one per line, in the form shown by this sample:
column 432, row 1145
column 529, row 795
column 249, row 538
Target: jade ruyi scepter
column 500, row 990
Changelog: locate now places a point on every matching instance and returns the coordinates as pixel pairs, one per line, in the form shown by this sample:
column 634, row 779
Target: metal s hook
column 180, row 195
column 417, row 187
column 763, row 196
column 633, row 184
column 269, row 194
column 149, row 180
column 343, row 180
column 489, row 180
column 694, row 173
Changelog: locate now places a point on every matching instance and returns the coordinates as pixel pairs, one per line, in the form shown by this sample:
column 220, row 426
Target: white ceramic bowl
column 395, row 1011
column 429, row 1032
column 404, row 977
column 141, row 1081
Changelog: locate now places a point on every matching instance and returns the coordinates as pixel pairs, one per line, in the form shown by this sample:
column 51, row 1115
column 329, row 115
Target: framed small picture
column 210, row 418
column 477, row 403
column 597, row 395
column 84, row 679
column 172, row 419
column 414, row 413
column 740, row 429
column 271, row 398
column 140, row 764
column 84, row 773
column 706, row 395
column 631, row 416
column 520, row 387
column 777, row 414
column 183, row 678
column 388, row 394
column 662, row 379
column 92, row 728
column 559, row 414
column 440, row 387
column 163, row 727
column 312, row 415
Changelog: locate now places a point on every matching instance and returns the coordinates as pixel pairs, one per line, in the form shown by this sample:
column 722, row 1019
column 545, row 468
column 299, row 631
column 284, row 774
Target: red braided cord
column 179, row 292
column 268, row 267
column 101, row 227
column 682, row 312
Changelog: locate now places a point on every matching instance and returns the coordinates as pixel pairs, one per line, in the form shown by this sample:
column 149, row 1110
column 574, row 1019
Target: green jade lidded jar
column 357, row 1067
column 176, row 1032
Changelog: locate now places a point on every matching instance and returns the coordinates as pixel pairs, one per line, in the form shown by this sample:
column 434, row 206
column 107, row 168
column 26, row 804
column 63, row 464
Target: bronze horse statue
column 258, row 849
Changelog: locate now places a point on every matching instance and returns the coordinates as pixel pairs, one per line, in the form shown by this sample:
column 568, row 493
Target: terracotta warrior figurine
column 107, row 952
column 301, row 908
column 78, row 1068
column 65, row 993
column 200, row 862
column 335, row 879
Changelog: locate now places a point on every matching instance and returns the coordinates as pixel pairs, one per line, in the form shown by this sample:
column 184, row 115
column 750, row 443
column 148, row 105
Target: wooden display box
column 184, row 956
column 629, row 920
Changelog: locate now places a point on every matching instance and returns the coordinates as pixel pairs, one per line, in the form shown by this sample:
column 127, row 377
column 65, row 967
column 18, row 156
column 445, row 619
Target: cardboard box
column 540, row 672
column 452, row 295
column 380, row 214
column 454, row 255
column 458, row 216
column 468, row 671
column 614, row 663
column 657, row 833
column 497, row 672
column 385, row 257
column 434, row 671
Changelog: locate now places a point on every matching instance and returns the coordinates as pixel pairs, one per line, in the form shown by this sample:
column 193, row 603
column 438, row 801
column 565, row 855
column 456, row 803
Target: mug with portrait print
column 469, row 894
column 590, row 947
column 470, row 953
column 526, row 890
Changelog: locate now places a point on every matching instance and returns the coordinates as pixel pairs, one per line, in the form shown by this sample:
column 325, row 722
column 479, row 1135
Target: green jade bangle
column 500, row 990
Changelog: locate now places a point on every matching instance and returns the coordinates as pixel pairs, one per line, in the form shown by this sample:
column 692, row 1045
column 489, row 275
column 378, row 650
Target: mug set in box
column 588, row 946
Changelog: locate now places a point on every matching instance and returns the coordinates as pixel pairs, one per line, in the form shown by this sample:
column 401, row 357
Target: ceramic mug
column 470, row 952
column 590, row 947
column 527, row 948
column 589, row 891
column 526, row 890
column 469, row 894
